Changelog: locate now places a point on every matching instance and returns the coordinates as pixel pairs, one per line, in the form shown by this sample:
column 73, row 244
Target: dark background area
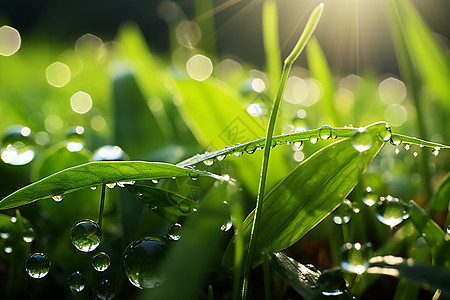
column 238, row 26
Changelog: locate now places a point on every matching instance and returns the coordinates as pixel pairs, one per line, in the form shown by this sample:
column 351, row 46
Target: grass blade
column 441, row 197
column 271, row 44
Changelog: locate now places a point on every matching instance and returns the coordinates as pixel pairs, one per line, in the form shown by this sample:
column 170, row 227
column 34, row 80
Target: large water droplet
column 390, row 211
column 86, row 235
column 37, row 265
column 108, row 153
column 28, row 234
column 141, row 261
column 105, row 290
column 101, row 261
column 362, row 140
column 76, row 282
column 325, row 132
column 17, row 146
column 58, row 198
column 343, row 213
column 75, row 139
column 175, row 231
column 369, row 196
column 395, row 141
column 385, row 133
column 355, row 257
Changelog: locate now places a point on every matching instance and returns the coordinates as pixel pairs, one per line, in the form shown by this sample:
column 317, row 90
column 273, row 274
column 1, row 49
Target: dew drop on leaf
column 343, row 213
column 355, row 257
column 385, row 133
column 111, row 185
column 325, row 132
column 297, row 146
column 362, row 140
column 175, row 231
column 184, row 207
column 313, row 140
column 58, row 198
column 238, row 153
column 227, row 226
column 101, row 261
column 208, row 162
column 76, row 282
column 221, row 157
column 155, row 181
column 390, row 211
column 141, row 261
column 37, row 265
column 86, row 235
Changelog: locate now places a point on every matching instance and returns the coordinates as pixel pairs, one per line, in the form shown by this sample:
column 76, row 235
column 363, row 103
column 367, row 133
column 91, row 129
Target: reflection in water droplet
column 101, row 261
column 13, row 220
column 325, row 132
column 369, row 196
column 108, row 153
column 355, row 257
column 37, row 265
column 17, row 146
column 141, row 261
column 343, row 213
column 435, row 151
column 297, row 146
column 250, row 149
column 390, row 211
column 93, row 188
column 362, row 140
column 105, row 290
column 313, row 140
column 407, row 147
column 76, row 282
column 111, row 185
column 155, row 181
column 385, row 133
column 227, row 226
column 8, row 249
column 86, row 235
column 28, row 234
column 238, row 153
column 58, row 198
column 208, row 162
column 175, row 231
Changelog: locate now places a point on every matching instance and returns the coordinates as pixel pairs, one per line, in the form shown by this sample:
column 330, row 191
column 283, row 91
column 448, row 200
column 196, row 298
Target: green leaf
column 93, row 174
column 420, row 272
column 441, row 197
column 308, row 194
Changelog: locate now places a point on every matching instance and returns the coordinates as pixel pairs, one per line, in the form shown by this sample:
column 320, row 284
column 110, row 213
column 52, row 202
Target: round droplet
column 101, row 261
column 390, row 211
column 250, row 149
column 13, row 220
column 105, row 290
column 86, row 235
column 111, row 185
column 37, row 265
column 362, row 140
column 58, row 198
column 369, row 196
column 221, row 157
column 385, row 133
column 227, row 226
column 238, row 153
column 297, row 146
column 208, row 162
column 448, row 229
column 76, row 282
column 175, row 231
column 28, row 234
column 93, row 188
column 7, row 248
column 355, row 257
column 343, row 213
column 141, row 262
column 17, row 146
column 407, row 147
column 313, row 140
column 395, row 141
column 75, row 139
column 435, row 151
column 108, row 153
column 155, row 181
column 325, row 132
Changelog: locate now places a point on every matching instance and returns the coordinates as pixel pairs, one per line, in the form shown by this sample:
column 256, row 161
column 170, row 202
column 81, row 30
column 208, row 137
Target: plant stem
column 102, row 205
column 307, row 33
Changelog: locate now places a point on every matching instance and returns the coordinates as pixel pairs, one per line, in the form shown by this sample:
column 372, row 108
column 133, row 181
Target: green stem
column 102, row 205
column 306, row 35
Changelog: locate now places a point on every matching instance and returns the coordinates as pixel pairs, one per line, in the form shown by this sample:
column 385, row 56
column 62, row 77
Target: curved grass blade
column 420, row 272
column 308, row 194
column 441, row 197
column 400, row 138
column 93, row 174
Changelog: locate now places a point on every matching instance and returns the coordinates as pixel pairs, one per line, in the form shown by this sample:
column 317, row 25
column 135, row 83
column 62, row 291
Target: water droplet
column 448, row 229
column 297, row 146
column 415, row 153
column 397, row 151
column 313, row 140
column 76, row 282
column 227, row 226
column 105, row 290
column 101, row 261
column 8, row 249
column 28, row 234
column 407, row 147
column 58, row 198
column 111, row 185
column 356, row 207
column 37, row 265
column 141, row 261
column 435, row 151
column 75, row 139
column 175, row 231
column 17, row 146
column 421, row 145
column 355, row 257
column 250, row 149
column 343, row 213
column 385, row 133
column 108, row 153
column 122, row 184
column 194, row 176
column 86, row 235
column 5, row 232
column 395, row 141
column 238, row 153
column 13, row 220
column 155, row 181
column 152, row 206
column 369, row 196
column 208, row 162
column 390, row 211
column 325, row 132
column 93, row 188
column 221, row 157
column 362, row 140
